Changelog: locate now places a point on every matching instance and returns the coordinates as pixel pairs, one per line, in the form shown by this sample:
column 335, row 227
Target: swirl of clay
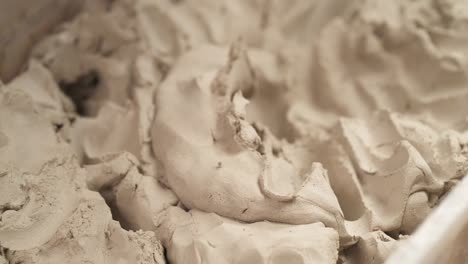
column 405, row 56
column 390, row 166
column 217, row 161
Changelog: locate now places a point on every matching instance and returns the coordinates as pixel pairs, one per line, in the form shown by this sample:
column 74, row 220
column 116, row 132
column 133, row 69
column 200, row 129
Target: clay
column 226, row 131
column 373, row 247
column 47, row 213
column 91, row 236
column 198, row 237
column 137, row 199
column 405, row 57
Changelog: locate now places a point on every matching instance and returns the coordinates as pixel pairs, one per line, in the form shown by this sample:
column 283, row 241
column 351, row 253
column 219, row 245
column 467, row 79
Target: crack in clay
column 80, row 90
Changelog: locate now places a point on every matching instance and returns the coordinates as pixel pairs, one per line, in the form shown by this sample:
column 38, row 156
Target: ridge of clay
column 402, row 56
column 199, row 237
column 242, row 175
column 397, row 173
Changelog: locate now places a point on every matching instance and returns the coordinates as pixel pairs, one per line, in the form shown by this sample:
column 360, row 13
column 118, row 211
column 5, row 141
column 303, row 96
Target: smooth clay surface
column 220, row 131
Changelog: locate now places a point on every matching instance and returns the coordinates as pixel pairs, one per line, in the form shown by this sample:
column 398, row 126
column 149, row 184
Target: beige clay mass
column 207, row 131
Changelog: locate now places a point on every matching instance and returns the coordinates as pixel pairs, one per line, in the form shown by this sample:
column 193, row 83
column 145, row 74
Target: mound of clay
column 90, row 235
column 137, row 199
column 198, row 237
column 247, row 131
column 47, row 215
column 36, row 197
column 215, row 160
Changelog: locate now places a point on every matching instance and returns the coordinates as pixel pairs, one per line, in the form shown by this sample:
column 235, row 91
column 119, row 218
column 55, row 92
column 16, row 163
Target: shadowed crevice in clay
column 81, row 90
column 13, row 206
column 4, row 255
column 269, row 107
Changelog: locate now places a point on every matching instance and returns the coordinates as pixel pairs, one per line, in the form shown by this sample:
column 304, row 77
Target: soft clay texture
column 228, row 131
